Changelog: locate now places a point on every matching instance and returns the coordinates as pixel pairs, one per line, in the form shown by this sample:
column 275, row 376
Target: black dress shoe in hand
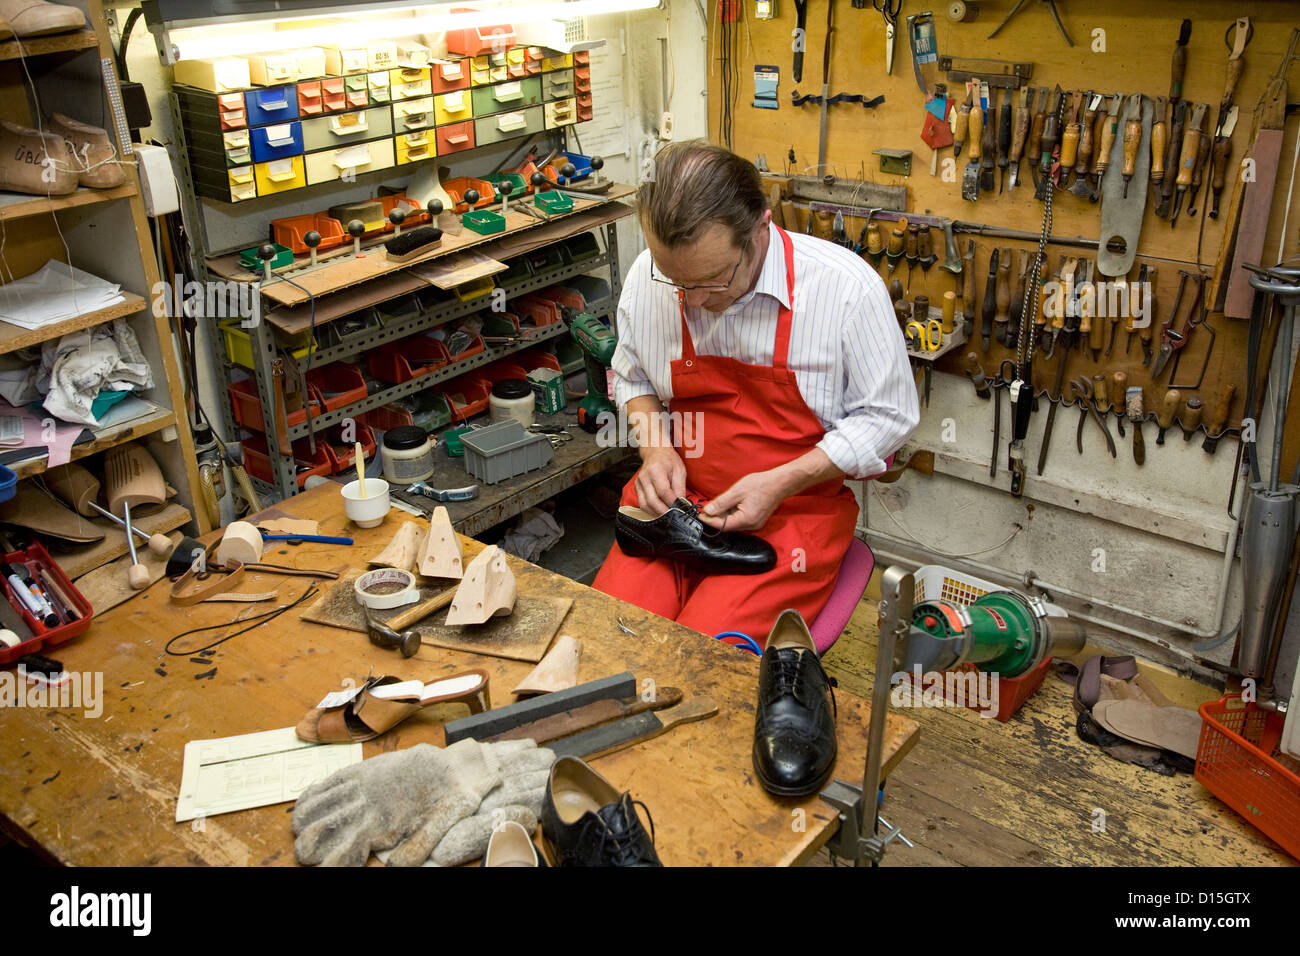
column 794, row 724
column 586, row 822
column 679, row 535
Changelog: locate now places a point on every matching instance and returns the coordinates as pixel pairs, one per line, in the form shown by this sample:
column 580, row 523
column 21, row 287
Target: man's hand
column 747, row 504
column 661, row 480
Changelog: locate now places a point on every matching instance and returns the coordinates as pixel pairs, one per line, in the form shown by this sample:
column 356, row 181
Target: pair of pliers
column 927, row 337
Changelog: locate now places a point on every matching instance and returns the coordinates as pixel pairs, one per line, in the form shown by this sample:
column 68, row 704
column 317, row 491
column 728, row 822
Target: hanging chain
column 1028, row 313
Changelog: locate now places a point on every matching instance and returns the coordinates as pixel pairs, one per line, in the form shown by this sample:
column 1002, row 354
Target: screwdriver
column 1187, row 159
column 1004, row 139
column 1034, row 141
column 961, row 124
column 1107, row 127
column 1132, row 136
column 1002, row 316
column 1165, row 414
column 1019, row 133
column 1119, row 389
column 1070, row 138
column 1159, row 143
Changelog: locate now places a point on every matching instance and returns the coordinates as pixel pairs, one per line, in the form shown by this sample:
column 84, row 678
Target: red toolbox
column 407, row 358
column 36, row 563
column 337, row 384
column 247, row 407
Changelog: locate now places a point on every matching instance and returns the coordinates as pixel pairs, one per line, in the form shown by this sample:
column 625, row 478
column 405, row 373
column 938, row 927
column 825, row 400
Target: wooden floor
column 978, row 792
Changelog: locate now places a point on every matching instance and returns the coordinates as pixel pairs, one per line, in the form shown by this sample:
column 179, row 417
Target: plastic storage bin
column 35, row 559
column 247, row 407
column 468, row 396
column 289, row 232
column 500, row 452
column 239, row 346
column 337, row 384
column 1239, row 761
column 8, row 481
column 407, row 358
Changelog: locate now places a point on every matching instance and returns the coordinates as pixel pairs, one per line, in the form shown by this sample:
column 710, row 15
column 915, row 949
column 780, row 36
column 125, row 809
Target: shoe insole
column 572, row 804
column 637, row 514
column 452, row 686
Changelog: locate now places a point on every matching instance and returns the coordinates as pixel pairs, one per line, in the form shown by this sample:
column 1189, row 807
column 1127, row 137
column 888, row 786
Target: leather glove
column 406, row 800
column 525, row 769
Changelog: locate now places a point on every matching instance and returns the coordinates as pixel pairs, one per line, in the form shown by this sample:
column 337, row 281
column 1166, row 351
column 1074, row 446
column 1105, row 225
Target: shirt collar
column 772, row 277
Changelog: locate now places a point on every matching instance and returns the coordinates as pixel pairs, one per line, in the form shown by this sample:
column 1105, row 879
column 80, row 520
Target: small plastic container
column 247, row 407
column 8, row 482
column 553, row 202
column 370, row 511
column 407, row 455
column 512, row 398
column 407, row 358
column 289, row 232
column 456, row 187
column 484, row 222
column 36, row 559
column 502, row 451
column 239, row 344
column 338, row 384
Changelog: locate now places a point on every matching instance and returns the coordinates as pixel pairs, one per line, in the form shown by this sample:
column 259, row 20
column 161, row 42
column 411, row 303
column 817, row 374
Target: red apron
column 751, row 418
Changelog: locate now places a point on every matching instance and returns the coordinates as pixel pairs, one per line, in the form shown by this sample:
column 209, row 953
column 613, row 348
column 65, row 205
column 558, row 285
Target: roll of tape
column 9, row 639
column 386, row 588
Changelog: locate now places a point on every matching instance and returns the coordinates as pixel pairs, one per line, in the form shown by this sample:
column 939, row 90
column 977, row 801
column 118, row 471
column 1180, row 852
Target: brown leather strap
column 220, row 583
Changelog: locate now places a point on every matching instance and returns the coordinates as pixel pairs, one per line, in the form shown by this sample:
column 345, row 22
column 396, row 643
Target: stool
column 855, row 572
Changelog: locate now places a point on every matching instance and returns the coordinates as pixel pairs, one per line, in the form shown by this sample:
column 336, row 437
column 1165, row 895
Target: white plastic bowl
column 370, row 511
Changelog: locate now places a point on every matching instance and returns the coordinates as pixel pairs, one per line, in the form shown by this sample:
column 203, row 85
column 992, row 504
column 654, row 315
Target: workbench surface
column 102, row 791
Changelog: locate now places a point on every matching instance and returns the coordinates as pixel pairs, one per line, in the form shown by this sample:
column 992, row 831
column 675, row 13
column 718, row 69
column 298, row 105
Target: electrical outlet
column 666, row 126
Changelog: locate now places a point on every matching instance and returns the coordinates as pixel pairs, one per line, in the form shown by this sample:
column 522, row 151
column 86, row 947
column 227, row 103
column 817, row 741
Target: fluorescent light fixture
column 217, row 40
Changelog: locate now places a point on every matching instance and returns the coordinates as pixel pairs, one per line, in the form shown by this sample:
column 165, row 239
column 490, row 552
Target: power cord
column 253, row 622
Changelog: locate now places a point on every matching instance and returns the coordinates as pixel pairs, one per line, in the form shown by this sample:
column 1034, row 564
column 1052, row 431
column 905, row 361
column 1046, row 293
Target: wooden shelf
column 13, row 337
column 18, row 206
column 71, row 42
column 103, row 440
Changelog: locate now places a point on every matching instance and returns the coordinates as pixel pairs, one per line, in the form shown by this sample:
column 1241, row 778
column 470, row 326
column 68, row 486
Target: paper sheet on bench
column 254, row 770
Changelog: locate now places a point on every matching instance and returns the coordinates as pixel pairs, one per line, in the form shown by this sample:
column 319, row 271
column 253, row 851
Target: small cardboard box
column 548, row 386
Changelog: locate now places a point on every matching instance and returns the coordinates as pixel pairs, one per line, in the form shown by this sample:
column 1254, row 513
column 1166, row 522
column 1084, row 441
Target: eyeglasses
column 707, row 287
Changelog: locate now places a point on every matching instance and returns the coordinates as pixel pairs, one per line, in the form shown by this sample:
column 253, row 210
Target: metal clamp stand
column 856, row 840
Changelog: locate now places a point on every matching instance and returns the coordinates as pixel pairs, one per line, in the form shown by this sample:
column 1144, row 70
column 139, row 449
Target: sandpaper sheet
column 523, row 636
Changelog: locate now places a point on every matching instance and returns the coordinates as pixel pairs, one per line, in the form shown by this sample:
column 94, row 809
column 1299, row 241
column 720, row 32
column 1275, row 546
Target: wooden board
column 523, row 635
column 106, row 587
column 451, row 271
column 83, row 560
column 104, row 790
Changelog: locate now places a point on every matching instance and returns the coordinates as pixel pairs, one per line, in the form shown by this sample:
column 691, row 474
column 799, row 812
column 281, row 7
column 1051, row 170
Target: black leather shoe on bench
column 794, row 723
column 586, row 822
column 679, row 535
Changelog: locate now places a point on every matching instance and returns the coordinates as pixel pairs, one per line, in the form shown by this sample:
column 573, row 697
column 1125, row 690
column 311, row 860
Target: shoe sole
column 804, row 791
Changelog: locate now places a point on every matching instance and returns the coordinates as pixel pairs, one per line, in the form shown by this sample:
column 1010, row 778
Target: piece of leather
column 678, row 535
column 608, row 833
column 1168, row 728
column 794, row 722
column 1151, row 758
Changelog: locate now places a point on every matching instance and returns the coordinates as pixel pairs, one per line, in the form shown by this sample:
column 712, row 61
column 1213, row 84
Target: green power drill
column 597, row 342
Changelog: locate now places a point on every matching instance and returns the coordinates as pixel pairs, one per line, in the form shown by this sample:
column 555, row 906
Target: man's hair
column 695, row 184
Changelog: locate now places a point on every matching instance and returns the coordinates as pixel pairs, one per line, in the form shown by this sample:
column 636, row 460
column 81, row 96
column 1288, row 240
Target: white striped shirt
column 846, row 349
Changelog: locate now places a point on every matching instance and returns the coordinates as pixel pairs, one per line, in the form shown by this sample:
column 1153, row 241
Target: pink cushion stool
column 855, row 572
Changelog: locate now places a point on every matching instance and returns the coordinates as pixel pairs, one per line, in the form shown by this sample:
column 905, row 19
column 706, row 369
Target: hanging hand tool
column 1159, row 143
column 1034, row 141
column 1172, row 339
column 1100, row 383
column 1047, row 145
column 1178, row 65
column 970, row 177
column 1039, row 330
column 960, row 125
column 1002, row 316
column 1054, row 397
column 1004, row 139
column 1083, row 391
column 1219, row 159
column 1070, row 139
column 1195, row 318
column 990, row 307
column 949, row 311
column 1178, row 117
column 1081, row 186
column 1132, row 137
column 1199, row 172
column 925, row 49
column 1017, row 298
column 975, row 373
column 1147, row 284
column 897, row 246
column 1020, row 132
column 1117, row 391
column 838, row 234
column 897, row 296
column 1121, row 285
column 1065, row 302
column 925, row 256
column 890, row 10
column 1087, row 304
column 1165, row 414
column 826, row 87
column 1133, row 406
column 1191, row 418
column 911, row 250
column 989, row 146
column 968, row 290
column 1002, row 379
column 800, row 38
column 1051, row 5
column 1218, row 420
column 1187, row 158
column 1104, row 132
column 874, row 242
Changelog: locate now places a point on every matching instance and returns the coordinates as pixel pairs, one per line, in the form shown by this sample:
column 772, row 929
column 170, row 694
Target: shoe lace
column 688, row 508
column 624, row 845
column 787, row 676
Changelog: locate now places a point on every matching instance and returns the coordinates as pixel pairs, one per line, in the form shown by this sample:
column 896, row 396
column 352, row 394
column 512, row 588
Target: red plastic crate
column 503, row 369
column 343, row 454
column 563, row 295
column 1239, row 761
column 258, row 463
column 476, row 392
column 475, row 41
column 1012, row 691
column 387, row 417
column 475, row 348
column 337, row 384
column 407, row 358
column 536, row 312
column 289, row 232
column 247, row 407
column 456, row 190
column 415, row 215
column 37, row 558
column 537, row 358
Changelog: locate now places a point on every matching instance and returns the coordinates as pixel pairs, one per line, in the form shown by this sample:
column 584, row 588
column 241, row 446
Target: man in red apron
column 807, row 318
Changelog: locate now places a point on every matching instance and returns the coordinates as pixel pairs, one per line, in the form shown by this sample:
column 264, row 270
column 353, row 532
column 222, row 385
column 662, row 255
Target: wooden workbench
column 103, row 791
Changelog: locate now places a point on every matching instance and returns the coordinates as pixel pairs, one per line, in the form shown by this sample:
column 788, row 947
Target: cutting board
column 522, row 636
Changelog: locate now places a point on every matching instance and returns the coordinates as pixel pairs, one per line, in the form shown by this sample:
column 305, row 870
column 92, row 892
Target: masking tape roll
column 386, row 588
column 9, row 639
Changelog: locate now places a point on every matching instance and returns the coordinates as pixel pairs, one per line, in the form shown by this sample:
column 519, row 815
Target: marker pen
column 48, row 618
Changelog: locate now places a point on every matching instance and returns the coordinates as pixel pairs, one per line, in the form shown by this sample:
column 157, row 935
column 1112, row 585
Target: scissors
column 927, row 337
column 890, row 10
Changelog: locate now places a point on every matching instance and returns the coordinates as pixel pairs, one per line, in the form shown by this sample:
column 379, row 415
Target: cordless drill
column 597, row 342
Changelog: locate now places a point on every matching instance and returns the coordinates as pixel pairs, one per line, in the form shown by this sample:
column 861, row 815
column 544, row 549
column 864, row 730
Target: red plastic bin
column 539, row 357
column 1012, row 691
column 289, row 232
column 474, row 390
column 415, row 215
column 247, row 407
column 1239, row 760
column 407, row 358
column 337, row 384
column 456, row 190
column 36, row 558
column 476, row 347
column 475, row 41
column 258, row 463
column 343, row 454
column 536, row 312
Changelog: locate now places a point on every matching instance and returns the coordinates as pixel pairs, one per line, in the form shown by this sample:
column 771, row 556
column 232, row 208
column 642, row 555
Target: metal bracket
column 898, row 162
column 1002, row 73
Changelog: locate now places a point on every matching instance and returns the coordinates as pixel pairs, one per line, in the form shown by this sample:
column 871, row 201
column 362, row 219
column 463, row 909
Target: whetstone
column 502, row 719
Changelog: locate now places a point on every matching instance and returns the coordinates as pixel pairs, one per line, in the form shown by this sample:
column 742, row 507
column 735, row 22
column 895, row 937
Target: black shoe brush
column 410, row 245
